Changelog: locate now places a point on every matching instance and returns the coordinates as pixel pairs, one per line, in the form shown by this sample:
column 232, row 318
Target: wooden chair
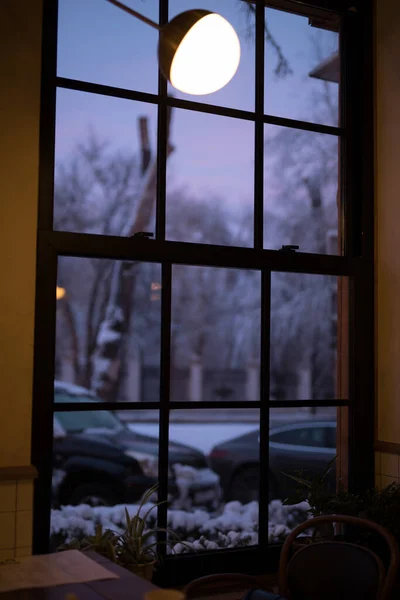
column 222, row 586
column 332, row 570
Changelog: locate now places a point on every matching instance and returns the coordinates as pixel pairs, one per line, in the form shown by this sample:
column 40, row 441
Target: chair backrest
column 336, row 569
column 229, row 586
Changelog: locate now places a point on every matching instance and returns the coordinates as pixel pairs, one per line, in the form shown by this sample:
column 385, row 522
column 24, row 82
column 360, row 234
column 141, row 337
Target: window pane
column 105, row 149
column 302, row 67
column 210, row 180
column 108, row 331
column 215, row 334
column 218, row 501
column 99, row 43
column 239, row 92
column 291, row 454
column 97, row 474
column 308, row 337
column 301, row 204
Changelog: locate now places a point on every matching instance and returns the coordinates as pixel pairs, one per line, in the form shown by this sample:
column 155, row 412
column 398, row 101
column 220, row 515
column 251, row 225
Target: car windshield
column 80, row 421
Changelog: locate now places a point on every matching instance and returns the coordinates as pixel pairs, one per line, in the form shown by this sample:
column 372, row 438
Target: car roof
column 301, row 425
column 73, row 390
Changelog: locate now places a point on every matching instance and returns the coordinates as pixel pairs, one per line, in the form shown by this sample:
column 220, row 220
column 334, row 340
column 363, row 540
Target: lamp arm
column 135, row 14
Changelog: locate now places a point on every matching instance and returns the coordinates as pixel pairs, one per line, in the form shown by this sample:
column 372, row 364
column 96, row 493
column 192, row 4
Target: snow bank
column 235, row 526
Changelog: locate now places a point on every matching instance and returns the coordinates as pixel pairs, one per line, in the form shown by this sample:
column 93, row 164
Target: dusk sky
column 99, row 43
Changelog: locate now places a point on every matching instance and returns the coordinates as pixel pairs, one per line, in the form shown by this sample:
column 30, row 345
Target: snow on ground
column 202, row 436
column 236, row 525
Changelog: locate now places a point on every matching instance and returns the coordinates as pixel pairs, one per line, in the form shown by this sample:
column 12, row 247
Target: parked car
column 99, row 461
column 307, row 446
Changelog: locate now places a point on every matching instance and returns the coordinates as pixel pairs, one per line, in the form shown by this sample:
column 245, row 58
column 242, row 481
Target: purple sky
column 99, row 43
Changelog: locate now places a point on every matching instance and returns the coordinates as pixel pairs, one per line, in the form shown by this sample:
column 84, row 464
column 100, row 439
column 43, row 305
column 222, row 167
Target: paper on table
column 48, row 570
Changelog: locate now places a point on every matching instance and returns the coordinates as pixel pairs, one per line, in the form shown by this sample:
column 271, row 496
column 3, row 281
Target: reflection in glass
column 215, row 334
column 307, row 337
column 210, row 180
column 301, row 204
column 239, row 92
column 108, row 329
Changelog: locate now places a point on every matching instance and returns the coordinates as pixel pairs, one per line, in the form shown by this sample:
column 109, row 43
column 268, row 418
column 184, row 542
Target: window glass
column 102, row 464
column 105, row 176
column 108, row 331
column 302, row 65
column 217, row 506
column 100, row 43
column 210, row 180
column 331, row 437
column 301, row 201
column 307, row 358
column 293, row 457
column 215, row 334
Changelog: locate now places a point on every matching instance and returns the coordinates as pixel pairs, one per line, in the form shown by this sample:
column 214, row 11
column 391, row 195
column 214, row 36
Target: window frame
column 356, row 182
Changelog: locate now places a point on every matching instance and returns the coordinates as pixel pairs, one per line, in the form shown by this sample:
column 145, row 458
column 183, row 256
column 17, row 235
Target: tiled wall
column 387, row 469
column 16, row 503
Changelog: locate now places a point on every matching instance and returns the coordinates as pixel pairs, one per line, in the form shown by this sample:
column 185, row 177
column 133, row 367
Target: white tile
column 8, row 495
column 7, row 530
column 24, row 528
column 25, row 495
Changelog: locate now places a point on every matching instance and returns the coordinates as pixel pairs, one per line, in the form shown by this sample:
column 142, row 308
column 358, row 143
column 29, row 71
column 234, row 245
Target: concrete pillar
column 253, row 381
column 196, row 379
column 67, row 370
column 304, row 388
column 133, row 384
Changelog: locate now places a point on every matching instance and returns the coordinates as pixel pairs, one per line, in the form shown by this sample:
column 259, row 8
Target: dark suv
column 100, row 461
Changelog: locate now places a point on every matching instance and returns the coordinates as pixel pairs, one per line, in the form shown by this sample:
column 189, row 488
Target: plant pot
column 145, row 571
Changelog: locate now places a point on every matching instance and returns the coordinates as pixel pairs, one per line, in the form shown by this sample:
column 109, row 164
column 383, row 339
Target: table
column 127, row 587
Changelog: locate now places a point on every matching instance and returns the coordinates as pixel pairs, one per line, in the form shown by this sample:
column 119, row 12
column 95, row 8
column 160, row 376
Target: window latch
column 290, row 248
column 143, row 234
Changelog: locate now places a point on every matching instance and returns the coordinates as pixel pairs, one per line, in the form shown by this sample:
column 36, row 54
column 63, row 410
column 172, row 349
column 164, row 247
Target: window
column 192, row 343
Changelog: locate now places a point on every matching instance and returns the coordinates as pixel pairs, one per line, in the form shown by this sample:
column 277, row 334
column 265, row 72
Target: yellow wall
column 20, row 63
column 20, row 56
column 387, row 219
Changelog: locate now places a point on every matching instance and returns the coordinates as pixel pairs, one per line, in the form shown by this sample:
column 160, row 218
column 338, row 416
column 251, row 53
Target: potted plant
column 135, row 548
column 103, row 542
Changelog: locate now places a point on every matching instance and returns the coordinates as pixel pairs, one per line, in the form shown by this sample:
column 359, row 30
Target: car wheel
column 94, row 494
column 246, row 484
